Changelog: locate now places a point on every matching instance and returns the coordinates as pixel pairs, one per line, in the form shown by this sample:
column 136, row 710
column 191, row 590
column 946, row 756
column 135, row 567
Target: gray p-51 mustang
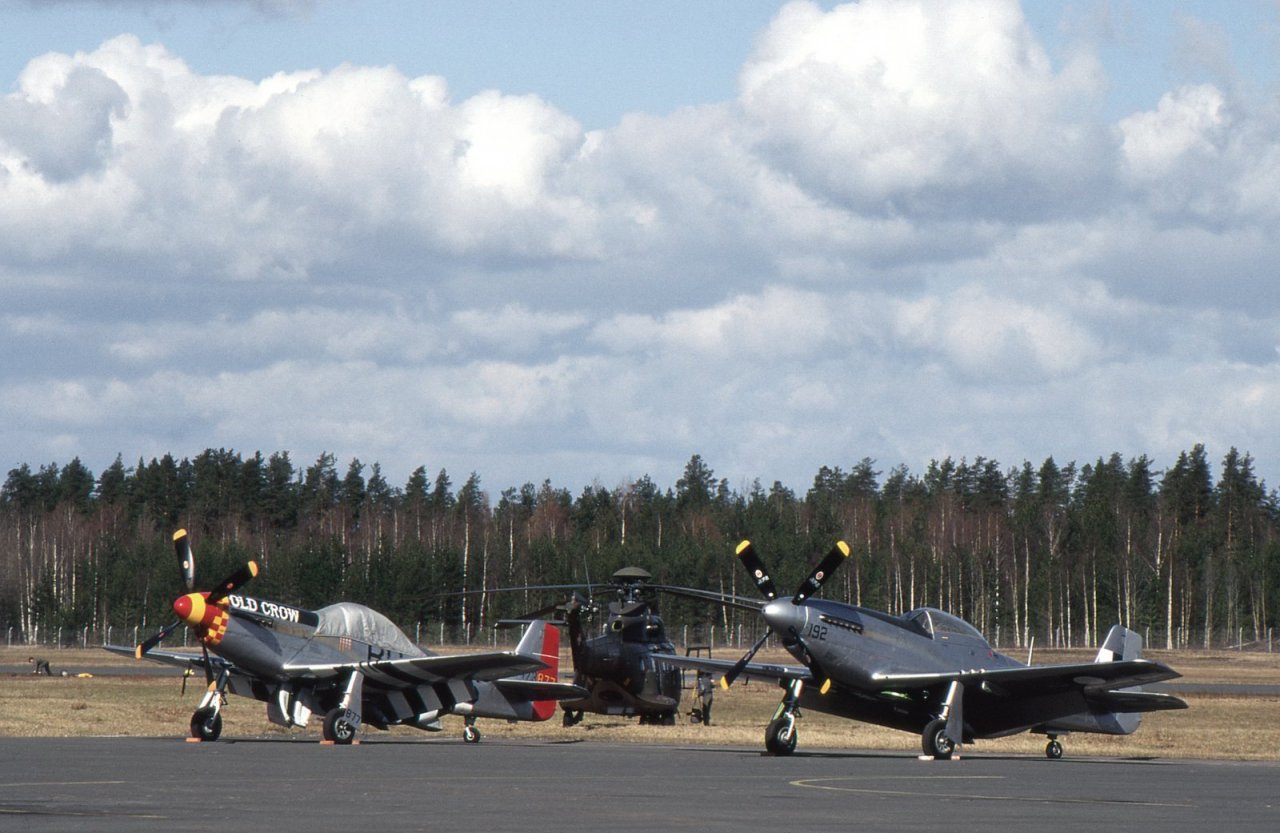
column 930, row 672
column 348, row 663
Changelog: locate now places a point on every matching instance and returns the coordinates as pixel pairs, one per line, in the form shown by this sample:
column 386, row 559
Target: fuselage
column 859, row 645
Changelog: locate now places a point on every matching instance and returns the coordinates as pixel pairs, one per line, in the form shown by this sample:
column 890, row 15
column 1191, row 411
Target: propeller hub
column 784, row 617
column 190, row 608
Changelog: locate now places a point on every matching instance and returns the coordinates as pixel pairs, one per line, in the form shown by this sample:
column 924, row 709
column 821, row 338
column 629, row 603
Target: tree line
column 1050, row 554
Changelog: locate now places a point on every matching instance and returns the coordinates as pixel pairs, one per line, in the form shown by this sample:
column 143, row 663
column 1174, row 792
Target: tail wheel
column 934, row 740
column 471, row 734
column 337, row 728
column 206, row 724
column 780, row 736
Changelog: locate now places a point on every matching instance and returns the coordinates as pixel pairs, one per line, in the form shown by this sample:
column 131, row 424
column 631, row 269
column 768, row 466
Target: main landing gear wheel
column 1053, row 749
column 337, row 729
column 780, row 737
column 934, row 740
column 206, row 724
column 470, row 734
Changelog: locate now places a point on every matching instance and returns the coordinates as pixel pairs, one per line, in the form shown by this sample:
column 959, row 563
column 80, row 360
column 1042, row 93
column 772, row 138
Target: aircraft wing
column 1098, row 681
column 182, row 659
column 415, row 671
column 753, row 670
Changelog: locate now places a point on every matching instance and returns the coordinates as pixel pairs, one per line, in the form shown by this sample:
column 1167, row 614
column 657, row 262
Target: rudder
column 1121, row 644
column 542, row 641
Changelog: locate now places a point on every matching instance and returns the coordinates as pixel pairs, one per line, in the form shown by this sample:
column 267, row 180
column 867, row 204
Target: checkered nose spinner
column 209, row 621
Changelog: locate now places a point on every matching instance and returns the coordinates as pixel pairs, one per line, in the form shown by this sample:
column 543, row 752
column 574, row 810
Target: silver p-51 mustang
column 929, row 672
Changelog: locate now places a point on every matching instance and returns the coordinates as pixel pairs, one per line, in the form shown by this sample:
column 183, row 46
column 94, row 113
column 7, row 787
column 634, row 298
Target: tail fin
column 1121, row 644
column 542, row 641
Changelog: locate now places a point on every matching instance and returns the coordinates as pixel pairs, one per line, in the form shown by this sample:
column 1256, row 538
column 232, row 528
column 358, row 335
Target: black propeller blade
column 822, row 572
column 732, row 675
column 186, row 561
column 231, row 582
column 155, row 640
column 755, row 566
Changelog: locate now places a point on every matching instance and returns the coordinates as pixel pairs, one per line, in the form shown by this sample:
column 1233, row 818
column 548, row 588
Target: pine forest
column 1050, row 554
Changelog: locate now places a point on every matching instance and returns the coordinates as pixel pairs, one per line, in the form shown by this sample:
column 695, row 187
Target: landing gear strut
column 942, row 735
column 342, row 722
column 206, row 723
column 780, row 736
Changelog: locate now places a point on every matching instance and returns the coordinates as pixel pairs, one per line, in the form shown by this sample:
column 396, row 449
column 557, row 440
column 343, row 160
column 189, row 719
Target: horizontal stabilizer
column 539, row 690
column 1134, row 701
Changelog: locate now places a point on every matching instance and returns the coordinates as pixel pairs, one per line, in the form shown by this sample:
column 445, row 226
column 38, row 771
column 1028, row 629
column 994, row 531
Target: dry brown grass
column 1227, row 727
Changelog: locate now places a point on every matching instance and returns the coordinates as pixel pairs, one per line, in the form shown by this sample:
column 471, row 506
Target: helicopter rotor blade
column 755, row 566
column 821, row 573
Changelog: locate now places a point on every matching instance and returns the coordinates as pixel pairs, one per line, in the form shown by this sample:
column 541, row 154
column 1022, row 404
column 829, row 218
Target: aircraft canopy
column 363, row 624
column 939, row 623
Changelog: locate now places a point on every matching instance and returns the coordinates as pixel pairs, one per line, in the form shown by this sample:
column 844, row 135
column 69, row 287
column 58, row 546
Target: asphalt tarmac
column 143, row 784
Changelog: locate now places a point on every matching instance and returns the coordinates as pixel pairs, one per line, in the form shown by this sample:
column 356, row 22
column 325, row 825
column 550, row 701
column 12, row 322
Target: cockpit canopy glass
column 940, row 624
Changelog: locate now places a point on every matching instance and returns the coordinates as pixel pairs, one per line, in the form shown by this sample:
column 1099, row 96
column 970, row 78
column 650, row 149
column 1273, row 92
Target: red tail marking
column 550, row 654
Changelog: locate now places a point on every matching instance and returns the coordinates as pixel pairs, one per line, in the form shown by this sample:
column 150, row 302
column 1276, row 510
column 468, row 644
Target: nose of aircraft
column 784, row 616
column 190, row 608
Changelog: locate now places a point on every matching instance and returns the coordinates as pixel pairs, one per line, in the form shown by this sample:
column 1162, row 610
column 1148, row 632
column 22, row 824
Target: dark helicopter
column 613, row 654
column 616, row 666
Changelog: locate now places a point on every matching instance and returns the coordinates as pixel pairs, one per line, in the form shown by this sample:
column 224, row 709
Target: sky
column 584, row 241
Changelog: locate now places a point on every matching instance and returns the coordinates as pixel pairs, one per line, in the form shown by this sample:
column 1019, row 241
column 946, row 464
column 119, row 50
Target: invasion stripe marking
column 405, row 674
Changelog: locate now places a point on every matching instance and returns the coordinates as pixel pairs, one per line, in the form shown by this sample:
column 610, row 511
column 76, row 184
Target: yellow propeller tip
column 826, row 686
column 844, row 548
column 724, row 683
column 137, row 652
column 253, row 568
column 180, row 534
column 745, row 543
